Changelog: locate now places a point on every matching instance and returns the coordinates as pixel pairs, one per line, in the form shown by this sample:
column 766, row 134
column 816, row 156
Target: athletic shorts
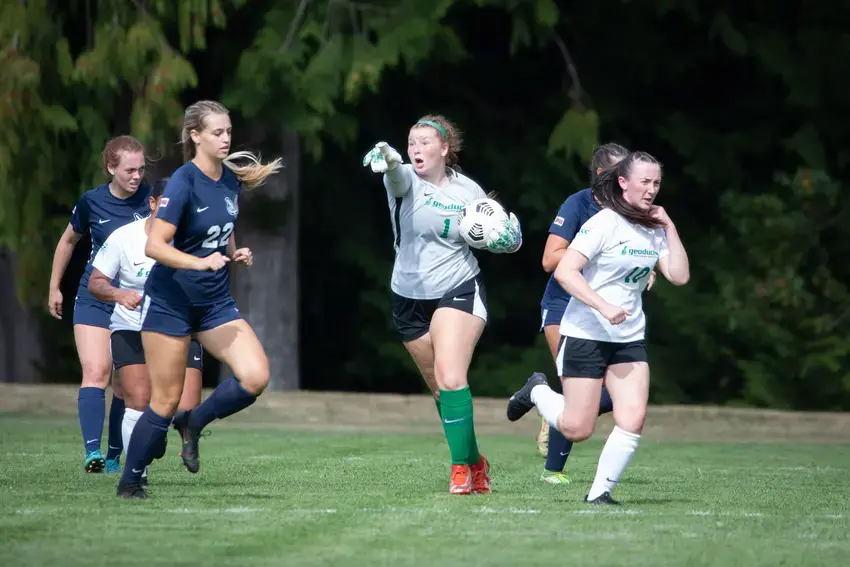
column 412, row 317
column 184, row 320
column 584, row 358
column 551, row 317
column 88, row 310
column 127, row 350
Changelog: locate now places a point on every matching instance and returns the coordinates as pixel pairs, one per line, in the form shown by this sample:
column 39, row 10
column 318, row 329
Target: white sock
column 549, row 403
column 131, row 416
column 615, row 457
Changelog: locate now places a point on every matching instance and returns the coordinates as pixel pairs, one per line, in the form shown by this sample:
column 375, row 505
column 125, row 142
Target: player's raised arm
column 383, row 158
column 673, row 259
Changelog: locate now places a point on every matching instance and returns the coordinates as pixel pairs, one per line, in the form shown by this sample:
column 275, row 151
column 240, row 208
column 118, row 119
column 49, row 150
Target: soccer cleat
column 131, row 491
column 543, row 438
column 604, row 498
column 461, row 482
column 520, row 403
column 554, row 477
column 190, row 438
column 113, row 465
column 480, row 478
column 94, row 462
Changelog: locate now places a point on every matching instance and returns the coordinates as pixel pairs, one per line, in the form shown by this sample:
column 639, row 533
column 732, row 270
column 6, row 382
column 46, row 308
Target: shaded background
column 744, row 104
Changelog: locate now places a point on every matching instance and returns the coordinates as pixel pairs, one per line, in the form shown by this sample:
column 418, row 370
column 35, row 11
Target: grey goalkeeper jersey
column 431, row 256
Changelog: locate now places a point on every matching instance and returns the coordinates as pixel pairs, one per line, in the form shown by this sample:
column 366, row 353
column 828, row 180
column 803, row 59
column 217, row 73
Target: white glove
column 507, row 239
column 382, row 157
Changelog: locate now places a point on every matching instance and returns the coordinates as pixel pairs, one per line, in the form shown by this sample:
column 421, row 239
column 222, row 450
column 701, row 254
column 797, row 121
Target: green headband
column 439, row 128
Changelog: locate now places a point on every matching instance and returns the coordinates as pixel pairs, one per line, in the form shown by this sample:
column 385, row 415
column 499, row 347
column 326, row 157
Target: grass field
column 311, row 479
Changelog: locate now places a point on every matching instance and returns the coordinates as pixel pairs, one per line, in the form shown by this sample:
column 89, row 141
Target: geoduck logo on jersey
column 644, row 253
column 143, row 273
column 432, row 202
column 232, row 206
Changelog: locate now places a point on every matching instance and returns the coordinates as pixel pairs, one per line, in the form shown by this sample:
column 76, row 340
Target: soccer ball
column 478, row 219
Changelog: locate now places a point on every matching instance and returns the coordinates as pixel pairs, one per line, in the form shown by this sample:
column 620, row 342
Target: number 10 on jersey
column 213, row 241
column 637, row 274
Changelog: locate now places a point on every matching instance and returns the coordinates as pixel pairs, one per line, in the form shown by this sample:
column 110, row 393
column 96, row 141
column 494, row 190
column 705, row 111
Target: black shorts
column 412, row 317
column 584, row 358
column 127, row 350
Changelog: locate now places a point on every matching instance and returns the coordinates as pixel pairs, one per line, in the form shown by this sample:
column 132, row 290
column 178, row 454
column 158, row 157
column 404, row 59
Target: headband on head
column 439, row 128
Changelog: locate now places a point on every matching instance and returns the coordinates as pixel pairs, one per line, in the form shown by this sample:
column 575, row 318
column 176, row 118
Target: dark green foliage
column 741, row 103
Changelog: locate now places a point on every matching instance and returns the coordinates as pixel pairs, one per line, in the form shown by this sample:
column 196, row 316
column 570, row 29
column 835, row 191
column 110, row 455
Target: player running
column 605, row 269
column 100, row 211
column 122, row 257
column 188, row 292
column 439, row 303
column 574, row 212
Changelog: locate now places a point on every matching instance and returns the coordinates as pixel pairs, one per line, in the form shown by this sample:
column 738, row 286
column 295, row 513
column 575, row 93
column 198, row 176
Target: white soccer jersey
column 620, row 257
column 123, row 254
column 432, row 257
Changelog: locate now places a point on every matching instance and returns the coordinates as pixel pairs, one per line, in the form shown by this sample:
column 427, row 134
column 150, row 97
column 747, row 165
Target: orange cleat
column 480, row 478
column 461, row 480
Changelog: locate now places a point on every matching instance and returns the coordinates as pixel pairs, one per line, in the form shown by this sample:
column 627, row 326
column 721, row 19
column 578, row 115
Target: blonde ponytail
column 254, row 173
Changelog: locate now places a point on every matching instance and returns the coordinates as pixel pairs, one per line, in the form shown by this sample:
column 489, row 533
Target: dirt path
column 381, row 412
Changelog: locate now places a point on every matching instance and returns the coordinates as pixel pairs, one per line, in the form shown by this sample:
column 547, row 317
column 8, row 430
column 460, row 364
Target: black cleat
column 604, row 498
column 520, row 403
column 131, row 491
column 190, row 439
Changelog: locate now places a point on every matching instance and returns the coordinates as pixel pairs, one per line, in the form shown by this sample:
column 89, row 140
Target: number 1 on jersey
column 447, row 224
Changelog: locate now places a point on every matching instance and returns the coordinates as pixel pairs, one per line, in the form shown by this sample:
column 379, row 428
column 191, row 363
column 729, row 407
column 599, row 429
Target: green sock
column 456, row 413
column 439, row 409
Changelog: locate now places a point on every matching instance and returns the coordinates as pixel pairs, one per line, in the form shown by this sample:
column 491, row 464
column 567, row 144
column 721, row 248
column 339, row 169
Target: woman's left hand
column 243, row 256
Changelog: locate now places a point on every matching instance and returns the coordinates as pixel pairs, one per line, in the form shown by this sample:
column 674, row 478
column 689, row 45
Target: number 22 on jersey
column 215, row 231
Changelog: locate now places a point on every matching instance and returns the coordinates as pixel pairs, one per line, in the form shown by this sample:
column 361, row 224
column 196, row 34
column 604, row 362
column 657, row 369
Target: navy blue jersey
column 100, row 212
column 575, row 211
column 204, row 212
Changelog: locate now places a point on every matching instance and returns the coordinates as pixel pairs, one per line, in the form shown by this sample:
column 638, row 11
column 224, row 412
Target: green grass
column 271, row 496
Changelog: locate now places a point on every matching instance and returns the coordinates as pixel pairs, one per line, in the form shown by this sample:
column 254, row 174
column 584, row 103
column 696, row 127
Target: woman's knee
column 630, row 419
column 118, row 388
column 450, row 376
column 576, row 430
column 96, row 373
column 255, row 378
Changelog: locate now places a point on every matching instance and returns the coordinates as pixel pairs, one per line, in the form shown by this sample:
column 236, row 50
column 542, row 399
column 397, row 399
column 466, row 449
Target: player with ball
column 439, row 303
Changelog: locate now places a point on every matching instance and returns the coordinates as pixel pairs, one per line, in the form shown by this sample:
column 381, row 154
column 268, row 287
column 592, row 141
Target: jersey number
column 447, row 224
column 637, row 274
column 212, row 240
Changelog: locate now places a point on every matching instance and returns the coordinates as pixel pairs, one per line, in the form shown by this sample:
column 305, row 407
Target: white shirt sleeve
column 108, row 258
column 398, row 181
column 593, row 235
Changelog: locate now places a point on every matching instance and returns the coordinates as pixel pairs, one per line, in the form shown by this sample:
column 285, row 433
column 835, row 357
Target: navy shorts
column 88, row 310
column 184, row 320
column 412, row 317
column 127, row 350
column 551, row 316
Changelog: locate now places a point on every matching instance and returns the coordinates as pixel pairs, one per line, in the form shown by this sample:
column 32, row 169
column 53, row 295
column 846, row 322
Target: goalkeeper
column 439, row 303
